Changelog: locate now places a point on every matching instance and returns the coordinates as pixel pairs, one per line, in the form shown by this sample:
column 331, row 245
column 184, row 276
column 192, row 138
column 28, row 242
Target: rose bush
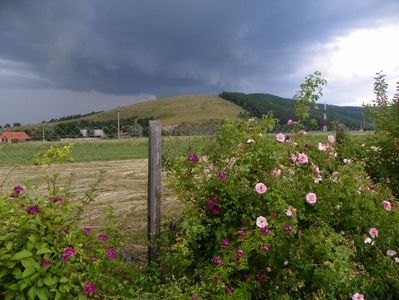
column 382, row 157
column 46, row 254
column 280, row 219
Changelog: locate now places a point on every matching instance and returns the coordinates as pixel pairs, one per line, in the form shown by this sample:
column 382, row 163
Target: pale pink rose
column 303, row 158
column 311, row 198
column 347, row 161
column 391, row 252
column 373, row 232
column 387, row 205
column 292, row 158
column 301, row 133
column 321, row 147
column 261, row 222
column 368, row 240
column 289, row 122
column 358, row 296
column 250, row 141
column 260, row 188
column 276, row 172
column 397, row 260
column 331, row 139
column 280, row 137
column 289, row 213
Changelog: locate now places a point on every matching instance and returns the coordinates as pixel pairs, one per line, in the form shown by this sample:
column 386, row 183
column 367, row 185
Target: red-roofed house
column 12, row 137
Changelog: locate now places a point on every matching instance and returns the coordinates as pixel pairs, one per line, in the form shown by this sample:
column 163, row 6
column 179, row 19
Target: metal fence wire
column 121, row 154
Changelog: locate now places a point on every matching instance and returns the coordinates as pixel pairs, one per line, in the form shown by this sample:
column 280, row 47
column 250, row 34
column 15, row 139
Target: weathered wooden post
column 154, row 188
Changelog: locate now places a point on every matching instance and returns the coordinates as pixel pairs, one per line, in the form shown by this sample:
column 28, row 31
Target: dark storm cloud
column 168, row 47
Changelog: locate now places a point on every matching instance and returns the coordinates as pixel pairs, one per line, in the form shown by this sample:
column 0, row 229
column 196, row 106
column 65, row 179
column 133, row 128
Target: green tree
column 310, row 91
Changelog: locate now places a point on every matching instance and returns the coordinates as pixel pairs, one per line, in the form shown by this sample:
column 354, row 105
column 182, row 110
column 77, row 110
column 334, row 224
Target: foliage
column 383, row 154
column 310, row 91
column 283, row 109
column 46, row 254
column 280, row 218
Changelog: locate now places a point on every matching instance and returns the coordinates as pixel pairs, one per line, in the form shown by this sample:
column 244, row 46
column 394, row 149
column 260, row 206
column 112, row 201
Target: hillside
column 283, row 109
column 174, row 110
column 187, row 115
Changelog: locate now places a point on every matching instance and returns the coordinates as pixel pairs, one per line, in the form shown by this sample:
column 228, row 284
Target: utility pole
column 362, row 128
column 325, row 126
column 43, row 133
column 119, row 124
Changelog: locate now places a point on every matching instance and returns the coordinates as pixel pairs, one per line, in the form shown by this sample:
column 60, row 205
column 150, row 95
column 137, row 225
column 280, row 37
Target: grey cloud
column 172, row 47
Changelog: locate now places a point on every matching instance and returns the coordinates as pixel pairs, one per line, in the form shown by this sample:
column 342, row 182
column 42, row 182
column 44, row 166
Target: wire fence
column 122, row 154
column 95, row 143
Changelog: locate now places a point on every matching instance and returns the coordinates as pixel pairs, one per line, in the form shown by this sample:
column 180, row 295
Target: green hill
column 283, row 109
column 187, row 115
column 175, row 110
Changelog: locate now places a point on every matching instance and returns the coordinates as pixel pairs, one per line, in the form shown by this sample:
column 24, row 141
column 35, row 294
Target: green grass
column 136, row 148
column 99, row 150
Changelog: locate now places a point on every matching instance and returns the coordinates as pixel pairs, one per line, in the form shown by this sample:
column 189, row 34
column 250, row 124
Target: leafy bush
column 279, row 218
column 383, row 154
column 46, row 254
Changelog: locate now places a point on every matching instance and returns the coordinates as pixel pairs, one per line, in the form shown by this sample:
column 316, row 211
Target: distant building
column 99, row 133
column 14, row 137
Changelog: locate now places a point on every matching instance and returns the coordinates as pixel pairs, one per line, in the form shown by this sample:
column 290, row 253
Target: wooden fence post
column 154, row 189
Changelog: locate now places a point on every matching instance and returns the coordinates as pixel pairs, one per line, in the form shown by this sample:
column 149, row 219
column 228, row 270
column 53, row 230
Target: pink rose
column 260, row 188
column 373, row 232
column 289, row 122
column 358, row 296
column 331, row 139
column 302, row 158
column 311, row 198
column 391, row 252
column 387, row 205
column 321, row 147
column 276, row 172
column 280, row 137
column 261, row 222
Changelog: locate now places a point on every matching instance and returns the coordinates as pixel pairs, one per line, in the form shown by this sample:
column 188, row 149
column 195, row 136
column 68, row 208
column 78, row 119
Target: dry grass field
column 124, row 189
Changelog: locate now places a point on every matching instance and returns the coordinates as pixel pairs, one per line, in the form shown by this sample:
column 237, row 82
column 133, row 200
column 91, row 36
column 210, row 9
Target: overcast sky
column 76, row 56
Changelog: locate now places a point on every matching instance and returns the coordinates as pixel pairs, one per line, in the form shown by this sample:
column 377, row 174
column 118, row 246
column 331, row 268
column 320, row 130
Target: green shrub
column 382, row 158
column 280, row 218
column 46, row 254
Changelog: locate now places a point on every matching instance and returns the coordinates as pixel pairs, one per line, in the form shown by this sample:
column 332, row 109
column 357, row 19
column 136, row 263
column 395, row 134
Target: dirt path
column 124, row 189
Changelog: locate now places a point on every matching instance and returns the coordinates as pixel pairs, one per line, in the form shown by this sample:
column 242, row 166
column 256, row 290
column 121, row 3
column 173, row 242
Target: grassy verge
column 99, row 150
column 136, row 148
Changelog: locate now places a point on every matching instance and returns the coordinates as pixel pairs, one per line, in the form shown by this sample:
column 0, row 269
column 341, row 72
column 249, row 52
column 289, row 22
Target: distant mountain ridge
column 189, row 115
column 283, row 109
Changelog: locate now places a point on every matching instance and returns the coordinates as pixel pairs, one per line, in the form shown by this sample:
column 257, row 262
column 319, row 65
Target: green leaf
column 28, row 262
column 28, row 271
column 33, row 238
column 10, row 296
column 32, row 292
column 3, row 272
column 40, row 283
column 9, row 245
column 22, row 254
column 43, row 250
column 17, row 273
column 49, row 281
column 64, row 279
column 4, row 257
column 42, row 293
